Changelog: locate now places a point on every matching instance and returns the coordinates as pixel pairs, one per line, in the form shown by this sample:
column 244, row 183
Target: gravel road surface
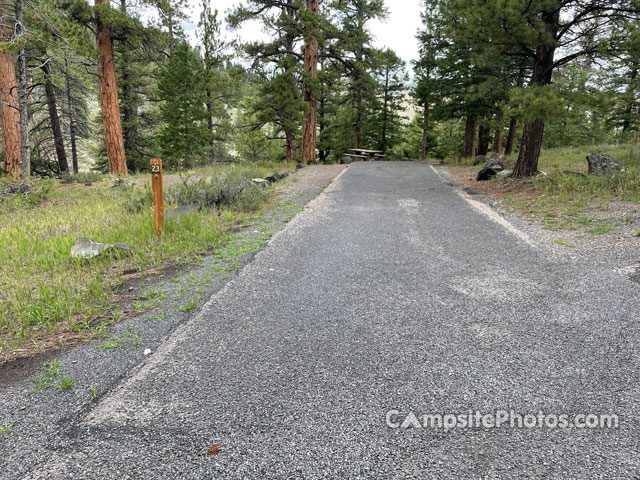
column 390, row 294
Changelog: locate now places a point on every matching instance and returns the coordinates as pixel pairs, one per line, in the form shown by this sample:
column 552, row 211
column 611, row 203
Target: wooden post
column 158, row 196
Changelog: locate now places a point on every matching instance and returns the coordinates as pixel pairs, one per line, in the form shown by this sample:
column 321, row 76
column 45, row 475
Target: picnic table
column 366, row 154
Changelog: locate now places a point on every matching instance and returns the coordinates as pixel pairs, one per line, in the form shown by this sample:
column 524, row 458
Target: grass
column 46, row 294
column 49, row 372
column 565, row 201
column 7, row 427
column 127, row 339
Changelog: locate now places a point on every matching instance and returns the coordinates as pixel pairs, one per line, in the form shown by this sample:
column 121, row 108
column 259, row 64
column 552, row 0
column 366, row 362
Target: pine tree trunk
column 469, row 147
column 483, row 140
column 497, row 140
column 109, row 99
column 533, row 132
column 511, row 137
column 9, row 114
column 23, row 95
column 359, row 119
column 323, row 153
column 290, row 146
column 527, row 164
column 72, row 124
column 209, row 106
column 425, row 134
column 310, row 121
column 50, row 94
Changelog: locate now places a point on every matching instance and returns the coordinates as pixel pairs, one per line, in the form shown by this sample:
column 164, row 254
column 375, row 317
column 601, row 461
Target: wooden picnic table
column 363, row 152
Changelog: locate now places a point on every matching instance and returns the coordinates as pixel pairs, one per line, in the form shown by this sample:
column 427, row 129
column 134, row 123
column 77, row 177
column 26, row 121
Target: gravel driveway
column 389, row 300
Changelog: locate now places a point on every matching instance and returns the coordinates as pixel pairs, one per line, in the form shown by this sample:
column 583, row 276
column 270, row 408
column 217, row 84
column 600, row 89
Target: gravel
column 389, row 292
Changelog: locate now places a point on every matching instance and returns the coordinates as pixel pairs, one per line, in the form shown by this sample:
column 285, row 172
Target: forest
column 106, row 87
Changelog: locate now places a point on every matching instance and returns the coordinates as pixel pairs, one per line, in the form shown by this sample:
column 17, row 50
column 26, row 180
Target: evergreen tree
column 184, row 133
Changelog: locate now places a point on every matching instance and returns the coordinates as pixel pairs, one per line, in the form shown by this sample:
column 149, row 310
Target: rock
column 276, row 177
column 505, row 173
column 574, row 174
column 299, row 166
column 602, row 165
column 346, row 160
column 496, row 159
column 480, row 160
column 88, row 184
column 262, row 182
column 178, row 213
column 22, row 188
column 487, row 173
column 86, row 248
column 120, row 182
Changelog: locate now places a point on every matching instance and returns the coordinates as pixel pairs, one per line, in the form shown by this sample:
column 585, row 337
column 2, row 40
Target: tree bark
column 310, row 121
column 23, row 94
column 469, row 147
column 483, row 140
column 533, row 132
column 109, row 98
column 72, row 123
column 425, row 133
column 50, row 94
column 497, row 139
column 511, row 137
column 357, row 143
column 9, row 114
column 290, row 146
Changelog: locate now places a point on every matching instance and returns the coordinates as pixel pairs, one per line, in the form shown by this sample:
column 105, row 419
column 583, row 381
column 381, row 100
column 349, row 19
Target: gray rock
column 346, row 160
column 505, row 173
column 299, row 166
column 480, row 160
column 262, row 182
column 276, row 177
column 496, row 159
column 120, row 182
column 86, row 248
column 487, row 173
column 602, row 165
column 178, row 213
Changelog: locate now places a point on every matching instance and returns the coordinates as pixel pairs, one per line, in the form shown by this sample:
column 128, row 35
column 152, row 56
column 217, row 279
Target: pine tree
column 184, row 133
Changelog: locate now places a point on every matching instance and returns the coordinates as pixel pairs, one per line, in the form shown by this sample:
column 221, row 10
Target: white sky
column 397, row 32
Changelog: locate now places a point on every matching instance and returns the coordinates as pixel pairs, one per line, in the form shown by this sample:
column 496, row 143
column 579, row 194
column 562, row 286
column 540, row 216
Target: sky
column 397, row 32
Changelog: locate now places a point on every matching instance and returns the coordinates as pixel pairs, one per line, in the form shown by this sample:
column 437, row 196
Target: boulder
column 276, row 177
column 487, row 173
column 346, row 160
column 299, row 166
column 262, row 182
column 86, row 248
column 602, row 165
column 480, row 160
column 120, row 182
column 505, row 173
column 496, row 159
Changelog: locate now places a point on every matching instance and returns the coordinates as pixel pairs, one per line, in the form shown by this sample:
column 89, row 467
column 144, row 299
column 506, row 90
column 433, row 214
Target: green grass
column 7, row 427
column 45, row 293
column 49, row 373
column 568, row 202
column 127, row 339
column 192, row 305
column 66, row 383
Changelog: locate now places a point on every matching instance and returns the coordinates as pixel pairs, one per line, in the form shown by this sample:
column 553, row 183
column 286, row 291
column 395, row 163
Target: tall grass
column 44, row 291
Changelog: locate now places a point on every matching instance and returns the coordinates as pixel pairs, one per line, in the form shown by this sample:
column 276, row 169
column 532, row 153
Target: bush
column 233, row 190
column 82, row 177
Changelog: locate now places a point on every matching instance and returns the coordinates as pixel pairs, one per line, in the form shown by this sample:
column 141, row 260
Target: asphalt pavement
column 390, row 300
